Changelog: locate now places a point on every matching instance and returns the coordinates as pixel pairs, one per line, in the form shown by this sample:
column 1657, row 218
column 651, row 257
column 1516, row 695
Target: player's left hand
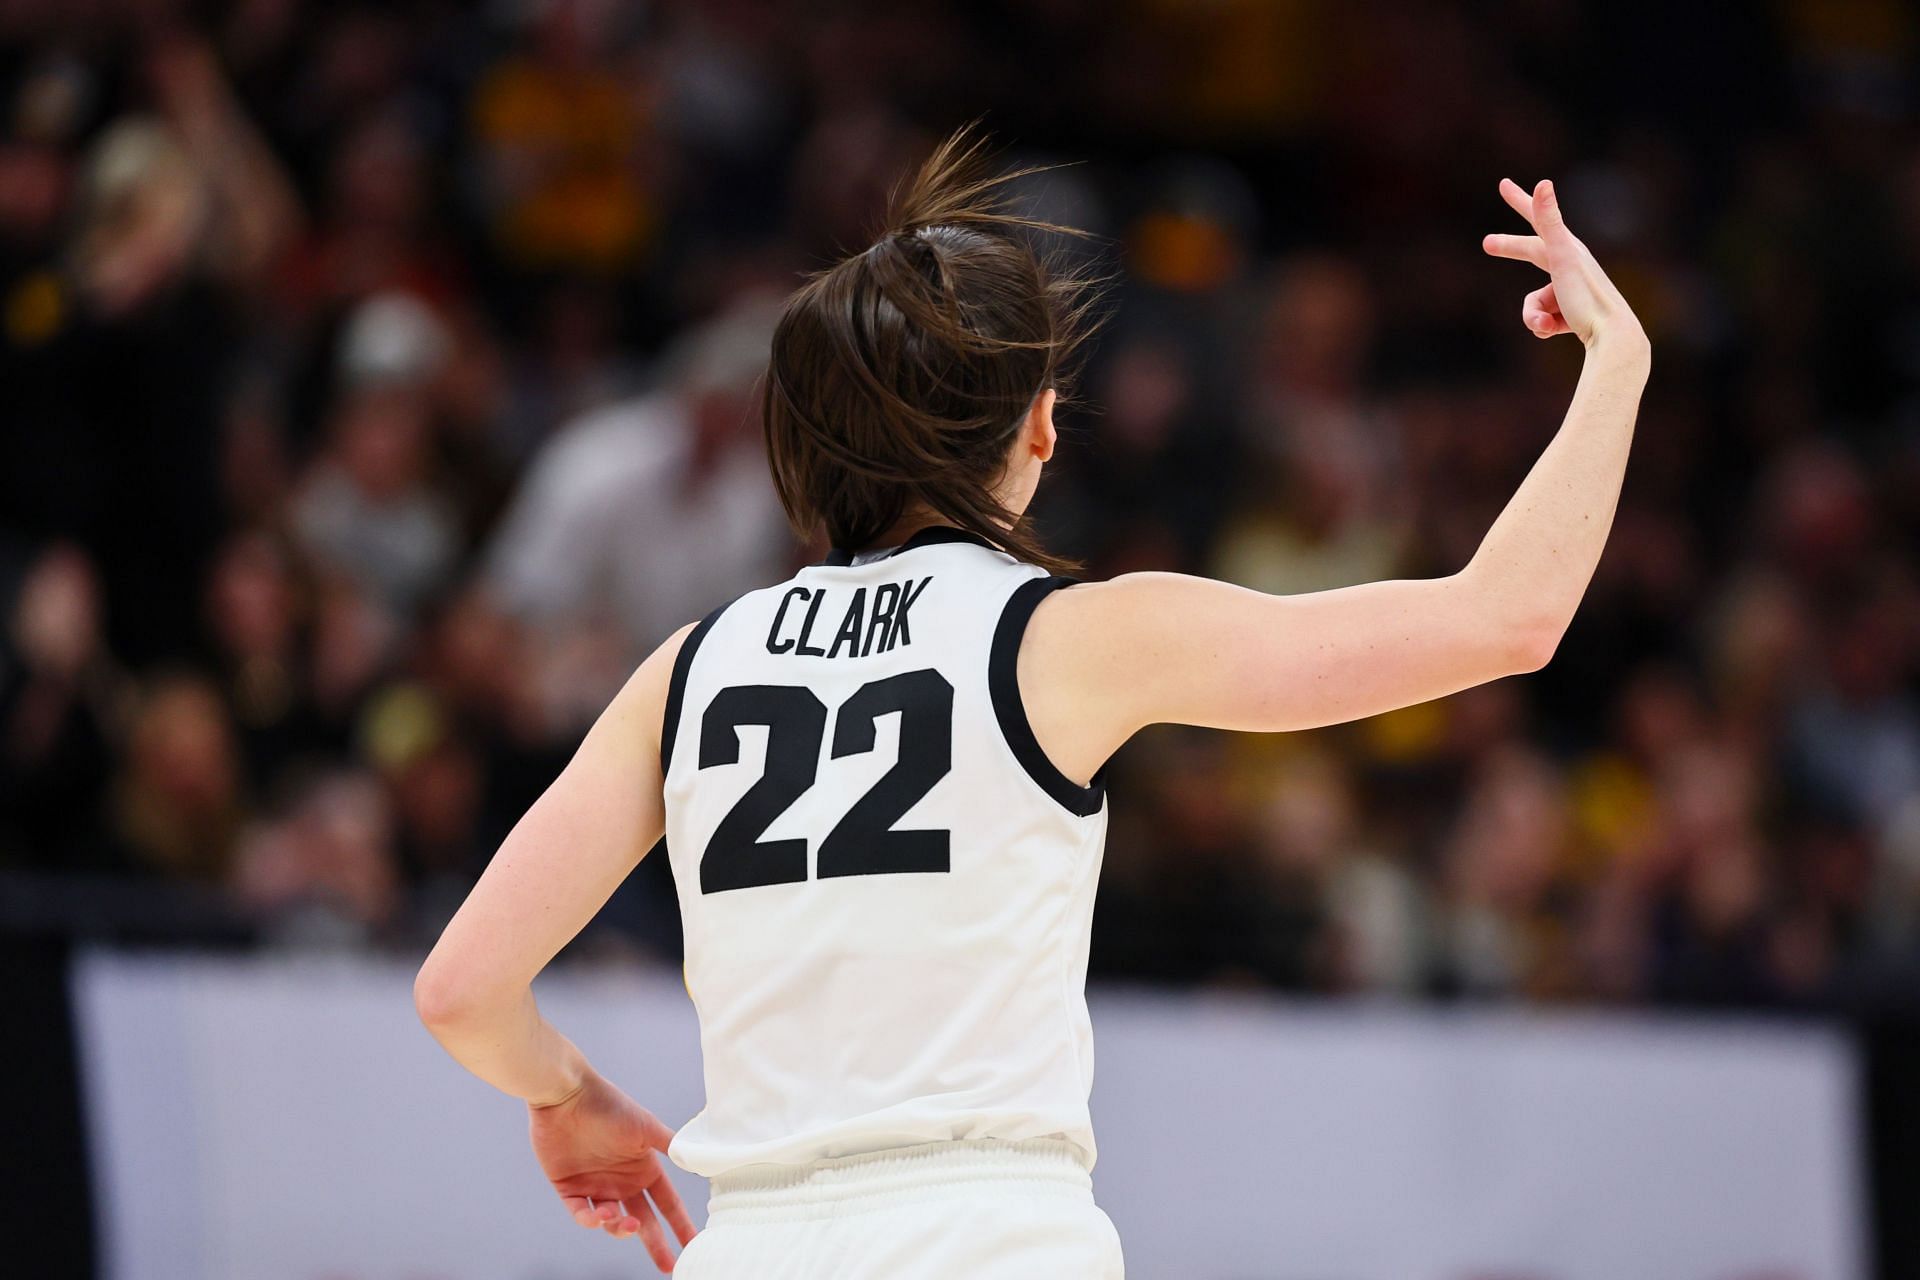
column 1579, row 299
column 601, row 1150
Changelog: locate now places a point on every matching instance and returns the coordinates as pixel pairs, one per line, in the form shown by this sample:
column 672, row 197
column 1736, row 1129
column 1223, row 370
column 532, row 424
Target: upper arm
column 1103, row 660
column 573, row 847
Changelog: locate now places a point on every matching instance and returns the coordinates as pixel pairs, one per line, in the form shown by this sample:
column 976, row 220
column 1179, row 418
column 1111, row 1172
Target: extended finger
column 1546, row 210
column 581, row 1208
column 666, row 1198
column 654, row 1238
column 1517, row 198
column 1520, row 248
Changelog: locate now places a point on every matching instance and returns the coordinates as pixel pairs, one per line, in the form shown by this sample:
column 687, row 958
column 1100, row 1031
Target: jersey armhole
column 1003, row 683
column 677, row 685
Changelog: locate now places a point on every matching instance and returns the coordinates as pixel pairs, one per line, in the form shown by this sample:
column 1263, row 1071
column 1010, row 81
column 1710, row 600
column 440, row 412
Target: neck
column 905, row 527
column 920, row 517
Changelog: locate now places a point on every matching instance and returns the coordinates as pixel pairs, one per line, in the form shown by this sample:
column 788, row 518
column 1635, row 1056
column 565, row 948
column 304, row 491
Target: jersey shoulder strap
column 1010, row 709
column 677, row 684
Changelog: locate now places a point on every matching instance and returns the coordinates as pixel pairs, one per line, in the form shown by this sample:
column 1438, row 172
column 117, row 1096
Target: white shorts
column 942, row 1211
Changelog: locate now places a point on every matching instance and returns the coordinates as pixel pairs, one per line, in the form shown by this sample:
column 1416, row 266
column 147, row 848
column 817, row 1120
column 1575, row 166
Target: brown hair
column 902, row 374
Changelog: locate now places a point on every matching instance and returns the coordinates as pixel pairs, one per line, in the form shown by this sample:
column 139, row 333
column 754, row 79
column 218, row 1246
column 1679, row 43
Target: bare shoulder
column 1109, row 637
column 1088, row 655
column 1108, row 627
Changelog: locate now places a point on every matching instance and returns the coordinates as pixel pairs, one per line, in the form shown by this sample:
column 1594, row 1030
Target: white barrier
column 290, row 1121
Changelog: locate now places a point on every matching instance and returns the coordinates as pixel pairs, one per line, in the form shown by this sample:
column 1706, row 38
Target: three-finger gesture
column 1578, row 299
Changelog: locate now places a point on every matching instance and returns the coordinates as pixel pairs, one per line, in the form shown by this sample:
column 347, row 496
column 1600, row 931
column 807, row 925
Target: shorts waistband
column 849, row 1183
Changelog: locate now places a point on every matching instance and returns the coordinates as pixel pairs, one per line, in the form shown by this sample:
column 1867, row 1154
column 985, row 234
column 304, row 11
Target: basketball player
column 880, row 782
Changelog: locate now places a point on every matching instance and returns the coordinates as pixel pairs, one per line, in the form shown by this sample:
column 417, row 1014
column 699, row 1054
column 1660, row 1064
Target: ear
column 1040, row 433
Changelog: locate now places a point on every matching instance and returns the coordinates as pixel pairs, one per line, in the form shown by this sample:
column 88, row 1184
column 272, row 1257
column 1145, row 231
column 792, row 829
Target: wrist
column 1623, row 357
column 571, row 1081
column 564, row 1098
column 1624, row 343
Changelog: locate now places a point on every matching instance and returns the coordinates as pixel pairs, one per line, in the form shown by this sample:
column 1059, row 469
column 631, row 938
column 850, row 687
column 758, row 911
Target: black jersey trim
column 677, row 685
column 840, row 557
column 1003, row 682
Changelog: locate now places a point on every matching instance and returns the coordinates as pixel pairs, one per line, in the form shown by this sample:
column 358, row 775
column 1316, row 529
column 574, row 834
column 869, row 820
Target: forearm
column 1535, row 563
column 259, row 211
column 557, row 867
column 509, row 1045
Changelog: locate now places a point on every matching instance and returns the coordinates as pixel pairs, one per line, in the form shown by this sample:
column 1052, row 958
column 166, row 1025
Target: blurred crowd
column 377, row 386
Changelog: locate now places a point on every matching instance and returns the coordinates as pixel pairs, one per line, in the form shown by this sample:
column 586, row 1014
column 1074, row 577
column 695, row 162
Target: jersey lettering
column 886, row 597
column 908, row 594
column 806, row 628
column 774, row 643
column 859, row 633
column 848, row 636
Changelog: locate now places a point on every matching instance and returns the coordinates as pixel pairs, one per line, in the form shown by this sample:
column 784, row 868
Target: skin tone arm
column 559, row 865
column 1101, row 661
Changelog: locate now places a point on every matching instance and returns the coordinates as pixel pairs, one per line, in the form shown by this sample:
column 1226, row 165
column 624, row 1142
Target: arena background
column 376, row 386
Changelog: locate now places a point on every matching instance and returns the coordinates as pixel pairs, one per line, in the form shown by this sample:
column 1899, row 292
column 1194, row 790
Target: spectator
column 178, row 804
column 58, row 716
column 369, row 510
column 647, row 514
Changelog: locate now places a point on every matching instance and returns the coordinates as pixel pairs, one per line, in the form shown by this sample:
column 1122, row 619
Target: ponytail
column 900, row 377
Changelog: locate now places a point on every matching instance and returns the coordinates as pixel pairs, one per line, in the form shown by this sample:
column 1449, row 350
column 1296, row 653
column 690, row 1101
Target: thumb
column 1546, row 210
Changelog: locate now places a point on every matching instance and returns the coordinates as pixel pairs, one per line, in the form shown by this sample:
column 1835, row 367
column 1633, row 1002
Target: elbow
column 1530, row 643
column 455, row 995
column 1513, row 635
column 440, row 998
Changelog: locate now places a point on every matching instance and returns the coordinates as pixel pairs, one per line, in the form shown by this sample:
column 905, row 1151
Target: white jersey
column 886, row 887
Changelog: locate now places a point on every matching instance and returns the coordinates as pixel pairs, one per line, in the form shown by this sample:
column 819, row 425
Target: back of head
column 901, row 376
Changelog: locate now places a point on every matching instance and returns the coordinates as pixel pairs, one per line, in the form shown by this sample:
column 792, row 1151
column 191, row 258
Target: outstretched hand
column 601, row 1150
column 1578, row 299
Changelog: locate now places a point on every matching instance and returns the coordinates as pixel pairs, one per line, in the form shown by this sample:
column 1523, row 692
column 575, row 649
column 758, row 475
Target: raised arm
column 1103, row 660
column 558, row 866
